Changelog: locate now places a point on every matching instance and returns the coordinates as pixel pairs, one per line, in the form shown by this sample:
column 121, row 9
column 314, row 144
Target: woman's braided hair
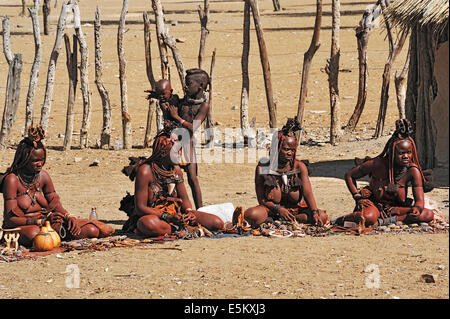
column 32, row 141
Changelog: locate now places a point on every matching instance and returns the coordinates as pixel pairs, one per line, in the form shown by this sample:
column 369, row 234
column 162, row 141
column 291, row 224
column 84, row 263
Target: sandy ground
column 248, row 267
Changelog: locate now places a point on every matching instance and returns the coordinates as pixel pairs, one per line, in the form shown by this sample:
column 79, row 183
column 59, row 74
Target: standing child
column 190, row 114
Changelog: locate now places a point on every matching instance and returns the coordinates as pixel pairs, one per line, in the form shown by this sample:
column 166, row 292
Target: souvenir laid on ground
column 280, row 233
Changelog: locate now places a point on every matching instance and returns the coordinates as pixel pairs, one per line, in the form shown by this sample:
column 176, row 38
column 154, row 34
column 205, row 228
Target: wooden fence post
column 245, row 127
column 209, row 122
column 72, row 71
column 46, row 107
column 84, row 78
column 12, row 84
column 165, row 70
column 276, row 5
column 203, row 14
column 332, row 70
column 11, row 99
column 105, row 137
column 307, row 58
column 150, row 77
column 126, row 118
column 46, row 13
column 394, row 50
column 400, row 87
column 362, row 38
column 264, row 63
column 34, row 73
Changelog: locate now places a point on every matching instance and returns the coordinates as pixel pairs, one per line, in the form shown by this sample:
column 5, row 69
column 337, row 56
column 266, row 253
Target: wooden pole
column 307, row 58
column 362, row 38
column 126, row 118
column 46, row 107
column 46, row 13
column 34, row 74
column 394, row 50
column 245, row 127
column 165, row 70
column 276, row 5
column 23, row 12
column 400, row 87
column 84, row 78
column 7, row 39
column 265, row 63
column 105, row 137
column 169, row 40
column 209, row 123
column 150, row 77
column 12, row 84
column 72, row 71
column 203, row 14
column 332, row 70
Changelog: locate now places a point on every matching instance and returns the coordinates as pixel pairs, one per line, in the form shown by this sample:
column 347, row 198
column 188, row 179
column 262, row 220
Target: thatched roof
column 432, row 14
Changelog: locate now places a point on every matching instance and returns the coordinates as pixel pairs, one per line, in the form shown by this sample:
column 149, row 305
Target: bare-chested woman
column 283, row 183
column 385, row 200
column 30, row 198
column 161, row 203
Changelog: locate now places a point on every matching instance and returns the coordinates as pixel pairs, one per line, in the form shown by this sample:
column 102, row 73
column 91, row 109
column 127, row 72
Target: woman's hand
column 316, row 218
column 286, row 214
column 56, row 217
column 190, row 218
column 72, row 226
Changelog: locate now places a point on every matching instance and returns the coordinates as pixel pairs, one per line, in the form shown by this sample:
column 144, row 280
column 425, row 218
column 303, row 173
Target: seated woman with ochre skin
column 384, row 200
column 282, row 183
column 30, row 198
column 161, row 203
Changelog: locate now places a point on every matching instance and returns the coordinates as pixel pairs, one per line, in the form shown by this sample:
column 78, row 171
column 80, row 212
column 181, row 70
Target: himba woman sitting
column 160, row 205
column 30, row 198
column 283, row 183
column 385, row 200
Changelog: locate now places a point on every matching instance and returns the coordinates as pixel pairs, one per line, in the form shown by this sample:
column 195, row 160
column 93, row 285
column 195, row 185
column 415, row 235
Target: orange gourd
column 55, row 236
column 43, row 241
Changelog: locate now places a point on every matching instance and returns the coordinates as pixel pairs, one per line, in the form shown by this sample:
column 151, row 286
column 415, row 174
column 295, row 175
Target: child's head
column 163, row 90
column 197, row 81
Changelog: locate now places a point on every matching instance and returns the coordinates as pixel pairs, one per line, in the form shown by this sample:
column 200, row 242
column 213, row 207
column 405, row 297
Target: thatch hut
column 427, row 103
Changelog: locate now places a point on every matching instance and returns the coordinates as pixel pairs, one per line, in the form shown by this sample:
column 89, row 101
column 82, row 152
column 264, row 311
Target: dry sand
column 247, row 267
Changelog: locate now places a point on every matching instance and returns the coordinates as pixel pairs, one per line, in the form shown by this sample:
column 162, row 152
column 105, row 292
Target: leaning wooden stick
column 264, row 63
column 307, row 58
column 84, row 78
column 126, row 119
column 34, row 73
column 150, row 77
column 72, row 71
column 105, row 137
column 169, row 40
